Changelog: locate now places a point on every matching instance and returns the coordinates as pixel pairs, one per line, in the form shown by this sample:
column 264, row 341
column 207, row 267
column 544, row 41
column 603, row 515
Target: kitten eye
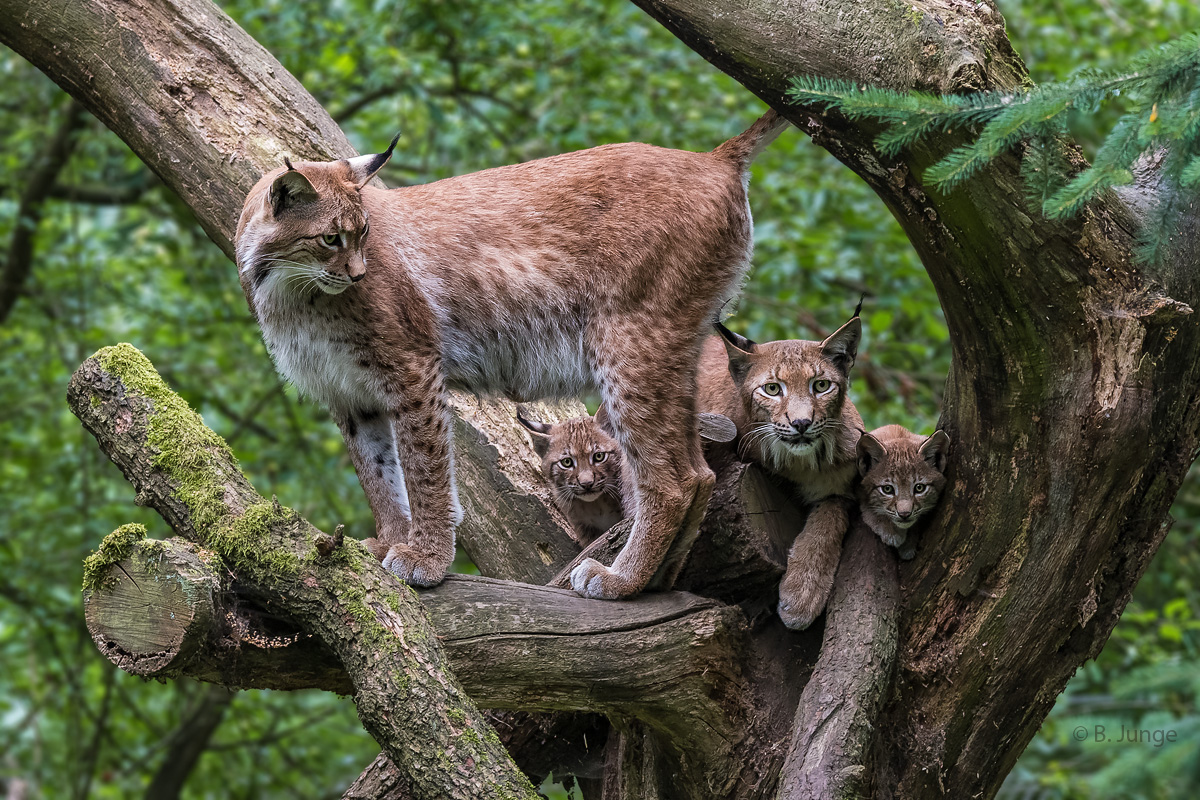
column 567, row 462
column 772, row 389
column 332, row 240
column 888, row 489
column 821, row 385
column 599, row 458
column 919, row 488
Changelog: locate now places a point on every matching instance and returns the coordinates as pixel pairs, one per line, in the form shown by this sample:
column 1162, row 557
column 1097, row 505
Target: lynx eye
column 821, row 385
column 772, row 389
column 888, row 489
column 919, row 488
column 599, row 458
column 332, row 240
column 567, row 462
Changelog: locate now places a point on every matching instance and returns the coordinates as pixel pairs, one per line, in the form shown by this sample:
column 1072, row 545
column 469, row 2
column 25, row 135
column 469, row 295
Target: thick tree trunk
column 1071, row 401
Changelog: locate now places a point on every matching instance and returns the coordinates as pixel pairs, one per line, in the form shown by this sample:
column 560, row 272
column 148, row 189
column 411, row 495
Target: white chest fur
column 315, row 351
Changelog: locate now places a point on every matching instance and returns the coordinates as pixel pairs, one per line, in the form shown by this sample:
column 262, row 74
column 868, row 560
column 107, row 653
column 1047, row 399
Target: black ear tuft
column 363, row 168
column 287, row 162
column 841, row 346
column 858, row 308
column 735, row 339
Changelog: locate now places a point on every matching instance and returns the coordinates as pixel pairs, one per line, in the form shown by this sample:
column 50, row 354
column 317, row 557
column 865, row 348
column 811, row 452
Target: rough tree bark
column 1071, row 400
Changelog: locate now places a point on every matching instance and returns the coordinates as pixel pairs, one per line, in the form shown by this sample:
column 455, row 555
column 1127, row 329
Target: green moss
column 194, row 457
column 94, row 402
column 116, row 546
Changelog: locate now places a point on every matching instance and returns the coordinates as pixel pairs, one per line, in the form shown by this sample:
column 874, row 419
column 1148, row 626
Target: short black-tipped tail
column 745, row 147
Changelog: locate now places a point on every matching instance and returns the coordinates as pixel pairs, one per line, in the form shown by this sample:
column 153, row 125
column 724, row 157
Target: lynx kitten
column 588, row 271
column 901, row 481
column 583, row 466
column 788, row 400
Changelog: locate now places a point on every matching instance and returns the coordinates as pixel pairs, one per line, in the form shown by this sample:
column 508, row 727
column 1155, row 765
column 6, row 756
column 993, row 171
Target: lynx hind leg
column 671, row 481
column 812, row 564
column 423, row 441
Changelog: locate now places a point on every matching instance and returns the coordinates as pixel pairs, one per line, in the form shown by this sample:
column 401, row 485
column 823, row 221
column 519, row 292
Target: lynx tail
column 745, row 147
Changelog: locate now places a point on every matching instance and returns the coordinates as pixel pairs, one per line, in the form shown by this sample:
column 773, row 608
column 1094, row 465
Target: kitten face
column 310, row 230
column 794, row 392
column 581, row 461
column 901, row 474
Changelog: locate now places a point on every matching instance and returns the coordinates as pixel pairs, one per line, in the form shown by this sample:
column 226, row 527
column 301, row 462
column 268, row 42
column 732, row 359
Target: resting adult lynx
column 588, row 271
column 583, row 466
column 901, row 481
column 788, row 400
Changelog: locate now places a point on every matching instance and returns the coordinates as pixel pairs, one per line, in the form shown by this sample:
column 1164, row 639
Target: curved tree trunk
column 1071, row 401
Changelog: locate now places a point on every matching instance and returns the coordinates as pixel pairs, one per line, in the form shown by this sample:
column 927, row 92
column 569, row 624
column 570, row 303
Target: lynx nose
column 904, row 514
column 800, row 425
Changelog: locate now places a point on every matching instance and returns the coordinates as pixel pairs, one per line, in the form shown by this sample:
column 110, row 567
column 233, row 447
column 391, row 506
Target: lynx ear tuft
column 540, row 433
column 935, row 449
column 290, row 189
column 841, row 347
column 870, row 452
column 363, row 168
column 858, row 308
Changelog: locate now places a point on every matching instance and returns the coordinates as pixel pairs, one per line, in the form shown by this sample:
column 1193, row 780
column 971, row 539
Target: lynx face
column 583, row 466
column 794, row 393
column 309, row 234
column 901, row 479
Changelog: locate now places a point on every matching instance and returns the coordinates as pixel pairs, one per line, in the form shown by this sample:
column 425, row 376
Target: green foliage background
column 472, row 84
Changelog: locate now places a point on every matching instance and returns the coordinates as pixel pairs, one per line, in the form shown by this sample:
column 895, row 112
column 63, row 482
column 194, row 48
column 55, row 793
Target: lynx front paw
column 594, row 580
column 908, row 550
column 802, row 599
column 415, row 568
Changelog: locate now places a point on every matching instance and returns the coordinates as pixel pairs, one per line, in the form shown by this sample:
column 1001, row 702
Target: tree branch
column 374, row 626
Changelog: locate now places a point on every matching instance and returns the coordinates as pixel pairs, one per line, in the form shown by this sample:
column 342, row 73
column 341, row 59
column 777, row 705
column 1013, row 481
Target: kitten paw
column 415, row 568
column 908, row 550
column 593, row 580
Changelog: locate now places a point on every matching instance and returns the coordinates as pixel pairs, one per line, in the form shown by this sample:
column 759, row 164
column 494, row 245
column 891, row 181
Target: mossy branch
column 406, row 695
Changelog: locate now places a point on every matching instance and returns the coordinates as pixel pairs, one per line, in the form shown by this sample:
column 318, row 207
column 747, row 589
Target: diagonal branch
column 406, row 697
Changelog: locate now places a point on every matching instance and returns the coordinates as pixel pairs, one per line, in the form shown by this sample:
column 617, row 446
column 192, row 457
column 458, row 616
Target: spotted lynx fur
column 794, row 418
column 594, row 271
column 902, row 479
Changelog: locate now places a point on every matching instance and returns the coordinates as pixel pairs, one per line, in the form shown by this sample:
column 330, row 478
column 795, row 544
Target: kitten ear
column 539, row 433
column 739, row 349
column 841, row 347
column 715, row 427
column 290, row 189
column 934, row 450
column 363, row 168
column 604, row 421
column 870, row 452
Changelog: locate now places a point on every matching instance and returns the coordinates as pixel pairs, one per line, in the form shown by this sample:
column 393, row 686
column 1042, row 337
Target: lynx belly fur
column 595, row 271
column 794, row 418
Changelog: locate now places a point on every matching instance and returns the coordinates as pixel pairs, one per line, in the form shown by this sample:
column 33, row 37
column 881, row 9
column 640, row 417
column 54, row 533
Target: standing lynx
column 901, row 481
column 788, row 400
column 588, row 271
column 583, row 466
